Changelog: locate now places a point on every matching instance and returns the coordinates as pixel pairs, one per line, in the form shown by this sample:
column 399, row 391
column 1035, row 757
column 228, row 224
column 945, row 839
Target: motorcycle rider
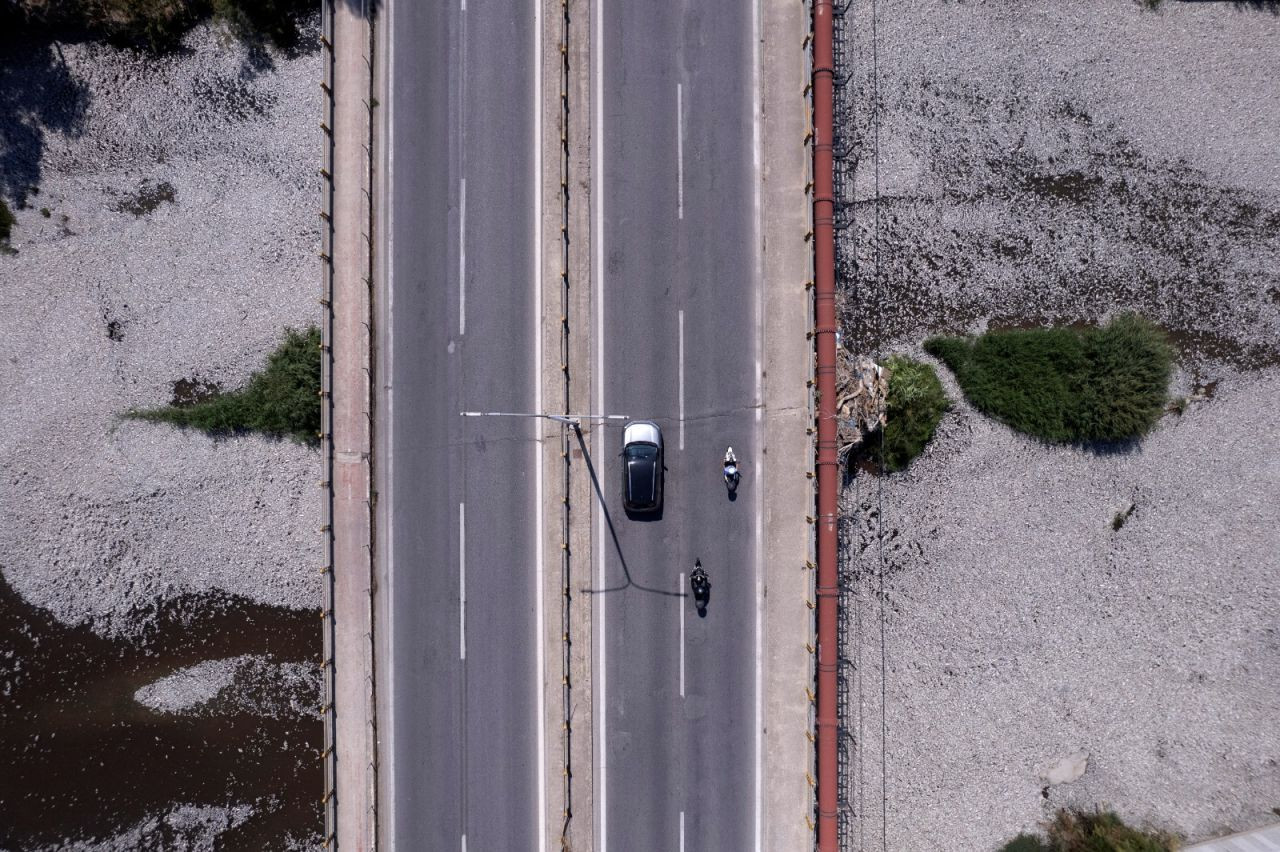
column 698, row 580
column 730, row 468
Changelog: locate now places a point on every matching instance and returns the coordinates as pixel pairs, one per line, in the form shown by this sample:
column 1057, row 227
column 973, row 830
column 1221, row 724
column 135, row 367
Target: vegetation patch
column 159, row 25
column 1066, row 385
column 914, row 407
column 148, row 197
column 1097, row 831
column 282, row 400
column 1118, row 521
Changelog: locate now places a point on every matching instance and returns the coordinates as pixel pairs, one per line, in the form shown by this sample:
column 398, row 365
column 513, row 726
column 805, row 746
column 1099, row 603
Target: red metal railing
column 828, row 465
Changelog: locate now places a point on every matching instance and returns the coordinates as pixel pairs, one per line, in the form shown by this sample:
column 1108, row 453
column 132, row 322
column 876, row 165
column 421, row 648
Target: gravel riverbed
column 181, row 239
column 1048, row 163
column 158, row 585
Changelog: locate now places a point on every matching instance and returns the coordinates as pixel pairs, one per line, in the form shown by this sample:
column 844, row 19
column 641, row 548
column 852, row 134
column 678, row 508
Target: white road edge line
column 758, row 163
column 597, row 192
column 680, row 346
column 680, row 150
column 462, row 581
column 462, row 257
column 680, row 611
column 389, row 828
column 540, row 662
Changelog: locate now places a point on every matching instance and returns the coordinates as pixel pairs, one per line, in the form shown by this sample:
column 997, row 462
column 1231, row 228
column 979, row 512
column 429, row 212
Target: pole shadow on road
column 608, row 519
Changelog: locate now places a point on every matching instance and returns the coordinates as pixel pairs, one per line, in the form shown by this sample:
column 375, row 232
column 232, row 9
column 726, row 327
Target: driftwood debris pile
column 862, row 386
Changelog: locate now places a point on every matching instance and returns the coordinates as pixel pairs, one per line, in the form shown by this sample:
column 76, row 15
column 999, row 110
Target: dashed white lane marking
column 680, row 150
column 680, row 609
column 462, row 257
column 462, row 581
column 680, row 346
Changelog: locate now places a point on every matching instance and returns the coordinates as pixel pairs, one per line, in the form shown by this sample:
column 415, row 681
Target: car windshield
column 642, row 452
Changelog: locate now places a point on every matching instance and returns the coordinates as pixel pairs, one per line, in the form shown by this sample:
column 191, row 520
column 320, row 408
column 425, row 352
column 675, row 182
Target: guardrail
column 328, row 693
column 566, row 625
column 810, row 432
column 358, row 433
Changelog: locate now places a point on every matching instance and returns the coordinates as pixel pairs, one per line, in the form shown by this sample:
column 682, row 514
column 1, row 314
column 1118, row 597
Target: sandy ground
column 115, row 304
column 1049, row 162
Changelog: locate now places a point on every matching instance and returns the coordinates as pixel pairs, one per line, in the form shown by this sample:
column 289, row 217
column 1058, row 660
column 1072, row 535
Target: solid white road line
column 462, row 257
column 757, row 173
column 464, row 837
column 680, row 150
column 682, row 831
column 601, row 746
column 540, row 662
column 462, row 581
column 680, row 611
column 680, row 347
column 389, row 827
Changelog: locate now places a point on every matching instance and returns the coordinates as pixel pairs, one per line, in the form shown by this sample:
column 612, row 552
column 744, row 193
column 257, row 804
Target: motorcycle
column 701, row 585
column 731, row 474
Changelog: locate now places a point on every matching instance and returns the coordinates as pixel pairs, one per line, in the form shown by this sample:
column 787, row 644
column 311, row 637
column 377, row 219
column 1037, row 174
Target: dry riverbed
column 159, row 586
column 1068, row 626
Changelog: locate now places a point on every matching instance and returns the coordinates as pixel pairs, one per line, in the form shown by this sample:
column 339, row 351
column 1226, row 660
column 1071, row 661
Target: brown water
column 82, row 759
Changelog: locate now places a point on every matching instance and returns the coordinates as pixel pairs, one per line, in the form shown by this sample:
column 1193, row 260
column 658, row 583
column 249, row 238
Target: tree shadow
column 1271, row 6
column 38, row 95
column 264, row 27
column 613, row 533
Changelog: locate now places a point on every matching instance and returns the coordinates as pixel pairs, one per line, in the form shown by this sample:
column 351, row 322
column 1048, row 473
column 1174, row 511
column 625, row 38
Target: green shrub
column 1098, row 831
column 1025, row 843
column 282, row 400
column 916, row 404
column 1066, row 385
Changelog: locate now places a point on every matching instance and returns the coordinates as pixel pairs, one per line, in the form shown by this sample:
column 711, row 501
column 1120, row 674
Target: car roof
column 644, row 431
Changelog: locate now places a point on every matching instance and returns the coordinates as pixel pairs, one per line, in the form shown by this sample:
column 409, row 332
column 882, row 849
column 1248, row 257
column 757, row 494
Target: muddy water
column 82, row 759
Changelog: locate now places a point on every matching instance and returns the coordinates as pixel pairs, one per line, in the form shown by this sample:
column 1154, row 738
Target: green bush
column 915, row 406
column 1098, row 831
column 1066, row 385
column 282, row 400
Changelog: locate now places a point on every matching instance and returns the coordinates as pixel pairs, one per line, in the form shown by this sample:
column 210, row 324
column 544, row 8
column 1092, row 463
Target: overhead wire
column 879, row 313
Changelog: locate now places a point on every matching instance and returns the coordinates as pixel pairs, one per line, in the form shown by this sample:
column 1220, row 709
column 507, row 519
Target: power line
column 879, row 287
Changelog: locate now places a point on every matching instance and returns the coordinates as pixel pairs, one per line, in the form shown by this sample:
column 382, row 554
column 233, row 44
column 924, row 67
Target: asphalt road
column 455, row 610
column 679, row 344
